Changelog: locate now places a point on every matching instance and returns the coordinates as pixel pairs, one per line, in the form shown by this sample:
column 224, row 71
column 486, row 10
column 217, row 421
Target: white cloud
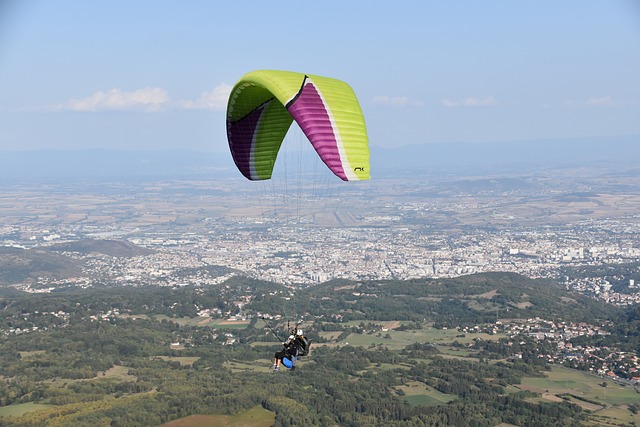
column 215, row 99
column 147, row 100
column 605, row 101
column 602, row 102
column 487, row 101
column 396, row 101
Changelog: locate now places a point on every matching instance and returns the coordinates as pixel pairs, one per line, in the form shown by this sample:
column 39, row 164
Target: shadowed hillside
column 18, row 265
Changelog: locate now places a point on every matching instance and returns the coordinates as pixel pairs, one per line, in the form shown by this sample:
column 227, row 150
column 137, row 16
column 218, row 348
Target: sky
column 156, row 74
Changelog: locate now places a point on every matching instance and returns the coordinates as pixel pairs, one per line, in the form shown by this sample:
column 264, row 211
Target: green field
column 606, row 403
column 29, row 354
column 254, row 417
column 205, row 321
column 417, row 394
column 398, row 340
column 183, row 360
column 330, row 335
column 615, row 414
column 561, row 380
column 118, row 372
column 265, row 343
column 183, row 321
column 19, row 409
column 260, row 365
column 226, row 324
column 377, row 322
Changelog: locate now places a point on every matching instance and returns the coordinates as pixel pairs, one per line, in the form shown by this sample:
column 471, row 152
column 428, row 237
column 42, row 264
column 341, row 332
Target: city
column 392, row 229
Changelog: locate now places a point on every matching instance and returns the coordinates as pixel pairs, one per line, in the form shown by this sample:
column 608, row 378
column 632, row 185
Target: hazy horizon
column 418, row 160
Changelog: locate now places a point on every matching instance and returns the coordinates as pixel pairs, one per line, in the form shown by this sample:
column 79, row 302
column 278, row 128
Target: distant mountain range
column 109, row 165
column 424, row 159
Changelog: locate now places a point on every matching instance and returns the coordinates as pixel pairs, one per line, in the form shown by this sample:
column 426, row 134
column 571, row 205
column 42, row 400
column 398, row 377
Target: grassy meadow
column 19, row 409
column 254, row 417
column 397, row 340
column 417, row 394
column 608, row 404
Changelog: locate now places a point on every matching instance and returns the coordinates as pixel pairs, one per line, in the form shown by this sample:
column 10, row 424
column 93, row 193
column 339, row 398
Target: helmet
column 299, row 333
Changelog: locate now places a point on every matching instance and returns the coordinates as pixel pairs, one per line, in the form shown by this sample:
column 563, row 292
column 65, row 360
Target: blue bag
column 288, row 363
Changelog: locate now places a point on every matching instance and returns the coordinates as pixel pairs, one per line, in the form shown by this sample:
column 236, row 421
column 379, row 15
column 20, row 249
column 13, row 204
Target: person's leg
column 277, row 359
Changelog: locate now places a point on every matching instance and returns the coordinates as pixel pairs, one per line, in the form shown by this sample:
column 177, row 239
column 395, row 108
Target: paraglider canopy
column 263, row 105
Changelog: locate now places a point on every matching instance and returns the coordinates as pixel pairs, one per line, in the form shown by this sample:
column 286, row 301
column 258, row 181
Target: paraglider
column 296, row 346
column 262, row 106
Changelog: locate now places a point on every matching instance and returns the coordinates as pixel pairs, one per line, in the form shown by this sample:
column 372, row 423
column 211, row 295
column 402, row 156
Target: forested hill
column 461, row 301
column 385, row 353
column 465, row 300
column 18, row 265
column 449, row 302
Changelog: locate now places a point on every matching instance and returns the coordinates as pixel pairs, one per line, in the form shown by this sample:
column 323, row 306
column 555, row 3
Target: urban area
column 361, row 234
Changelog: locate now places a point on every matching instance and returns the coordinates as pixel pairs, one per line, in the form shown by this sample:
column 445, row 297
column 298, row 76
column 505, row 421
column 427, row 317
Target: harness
column 299, row 347
column 302, row 345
